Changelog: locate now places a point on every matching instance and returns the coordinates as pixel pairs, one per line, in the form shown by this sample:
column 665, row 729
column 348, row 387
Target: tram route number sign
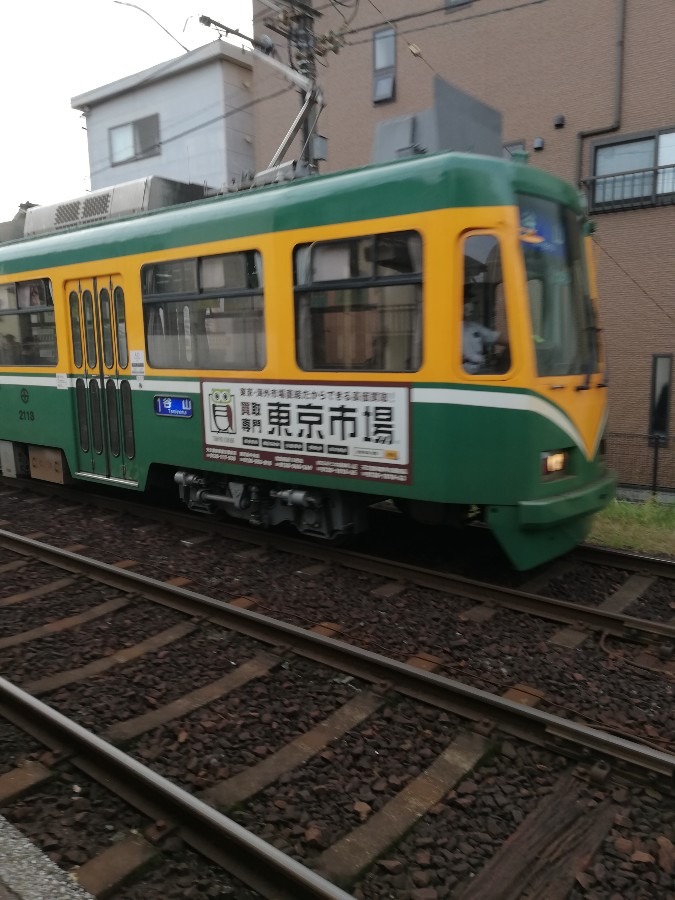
column 176, row 407
column 344, row 430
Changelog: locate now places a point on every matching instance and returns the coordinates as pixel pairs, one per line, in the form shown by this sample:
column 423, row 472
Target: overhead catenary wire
column 339, row 5
column 449, row 22
column 633, row 280
column 413, row 48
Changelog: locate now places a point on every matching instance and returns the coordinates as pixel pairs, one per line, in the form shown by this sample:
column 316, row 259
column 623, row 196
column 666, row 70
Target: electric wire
column 454, row 20
column 354, row 6
column 213, row 120
column 631, row 278
column 413, row 48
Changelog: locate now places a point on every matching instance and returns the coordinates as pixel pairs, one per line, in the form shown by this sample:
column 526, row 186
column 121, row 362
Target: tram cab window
column 27, row 327
column 564, row 331
column 485, row 335
column 205, row 313
column 358, row 303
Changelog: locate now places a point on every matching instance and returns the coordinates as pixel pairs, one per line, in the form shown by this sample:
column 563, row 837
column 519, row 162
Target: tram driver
column 479, row 342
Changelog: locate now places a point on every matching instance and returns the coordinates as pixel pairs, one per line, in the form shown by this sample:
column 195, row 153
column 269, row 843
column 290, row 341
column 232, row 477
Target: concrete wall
column 204, row 137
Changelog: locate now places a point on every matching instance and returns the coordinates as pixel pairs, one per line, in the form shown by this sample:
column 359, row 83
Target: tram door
column 104, row 414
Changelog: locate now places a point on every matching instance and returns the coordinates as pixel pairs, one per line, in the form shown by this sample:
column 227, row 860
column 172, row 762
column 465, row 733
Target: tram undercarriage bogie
column 323, row 514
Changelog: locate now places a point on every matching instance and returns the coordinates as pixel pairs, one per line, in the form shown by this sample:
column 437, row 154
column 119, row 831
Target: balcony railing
column 631, row 190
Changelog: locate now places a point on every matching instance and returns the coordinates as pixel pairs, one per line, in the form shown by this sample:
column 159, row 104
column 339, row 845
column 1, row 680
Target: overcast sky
column 53, row 50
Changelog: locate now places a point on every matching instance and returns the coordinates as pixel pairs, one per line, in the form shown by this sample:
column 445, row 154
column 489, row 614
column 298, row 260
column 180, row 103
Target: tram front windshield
column 563, row 321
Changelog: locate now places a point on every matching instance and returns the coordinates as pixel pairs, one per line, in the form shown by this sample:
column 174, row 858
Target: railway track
column 482, row 721
column 347, row 658
column 201, row 825
column 475, row 601
column 610, row 619
column 589, row 764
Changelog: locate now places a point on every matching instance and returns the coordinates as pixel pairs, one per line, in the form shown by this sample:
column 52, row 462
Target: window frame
column 649, row 175
column 383, row 73
column 23, row 309
column 486, row 305
column 140, row 152
column 199, row 293
column 367, row 282
column 657, row 435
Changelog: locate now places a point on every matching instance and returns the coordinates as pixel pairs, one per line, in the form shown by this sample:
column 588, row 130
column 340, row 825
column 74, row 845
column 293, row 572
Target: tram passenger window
column 27, row 327
column 358, row 304
column 485, row 336
column 76, row 329
column 89, row 329
column 107, row 328
column 121, row 320
column 215, row 322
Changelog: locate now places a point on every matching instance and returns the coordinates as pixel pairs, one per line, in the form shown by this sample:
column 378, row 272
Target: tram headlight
column 555, row 464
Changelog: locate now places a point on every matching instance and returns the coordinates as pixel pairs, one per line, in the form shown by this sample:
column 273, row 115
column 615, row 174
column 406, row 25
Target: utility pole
column 305, row 46
column 296, row 24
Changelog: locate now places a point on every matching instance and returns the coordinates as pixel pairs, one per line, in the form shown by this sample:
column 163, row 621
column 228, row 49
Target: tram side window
column 485, row 335
column 358, row 303
column 205, row 313
column 27, row 327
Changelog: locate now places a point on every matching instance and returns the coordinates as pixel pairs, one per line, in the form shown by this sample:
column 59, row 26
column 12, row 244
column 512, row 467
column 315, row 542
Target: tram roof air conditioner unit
column 127, row 199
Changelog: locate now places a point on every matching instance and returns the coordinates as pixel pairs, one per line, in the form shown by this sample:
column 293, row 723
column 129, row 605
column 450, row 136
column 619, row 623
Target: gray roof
column 217, row 50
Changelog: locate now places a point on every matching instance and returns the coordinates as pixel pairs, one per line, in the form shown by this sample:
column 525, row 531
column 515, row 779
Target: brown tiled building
column 591, row 84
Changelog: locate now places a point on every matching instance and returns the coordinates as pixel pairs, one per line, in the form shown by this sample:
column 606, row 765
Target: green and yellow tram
column 424, row 331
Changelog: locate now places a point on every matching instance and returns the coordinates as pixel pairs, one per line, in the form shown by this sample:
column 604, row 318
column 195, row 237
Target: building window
column 452, row 4
column 659, row 408
column 384, row 65
column 135, row 140
column 637, row 172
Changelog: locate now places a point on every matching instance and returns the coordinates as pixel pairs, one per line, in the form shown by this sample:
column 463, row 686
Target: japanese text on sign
column 357, row 431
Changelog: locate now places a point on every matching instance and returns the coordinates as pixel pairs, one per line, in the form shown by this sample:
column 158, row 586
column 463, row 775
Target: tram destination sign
column 176, row 407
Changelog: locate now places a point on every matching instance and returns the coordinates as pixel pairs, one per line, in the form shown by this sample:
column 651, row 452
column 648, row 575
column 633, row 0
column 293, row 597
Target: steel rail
column 430, row 687
column 654, row 565
column 623, row 559
column 613, row 624
column 281, row 871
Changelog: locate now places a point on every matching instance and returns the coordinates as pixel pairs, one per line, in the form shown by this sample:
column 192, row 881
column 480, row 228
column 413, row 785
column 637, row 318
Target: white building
column 188, row 119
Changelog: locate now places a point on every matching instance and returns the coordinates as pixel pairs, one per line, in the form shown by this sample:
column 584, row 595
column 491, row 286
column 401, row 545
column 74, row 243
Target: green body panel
column 460, row 454
column 441, row 181
column 529, row 547
column 38, row 415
